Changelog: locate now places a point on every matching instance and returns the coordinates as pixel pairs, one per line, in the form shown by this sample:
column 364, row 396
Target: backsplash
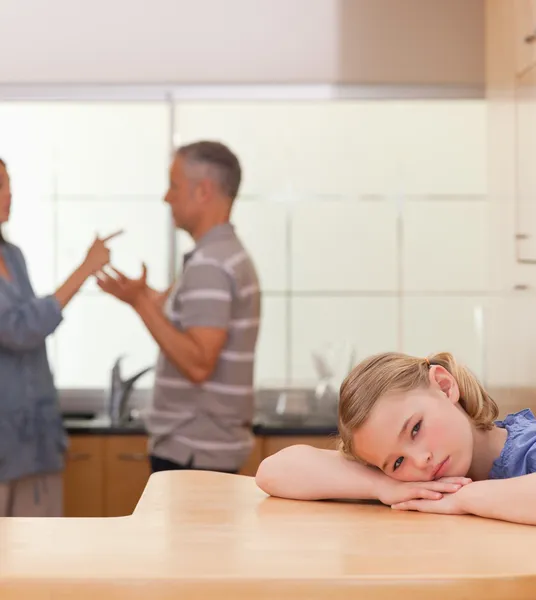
column 370, row 223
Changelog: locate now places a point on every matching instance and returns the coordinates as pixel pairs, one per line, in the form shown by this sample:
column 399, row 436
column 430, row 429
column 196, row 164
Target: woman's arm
column 25, row 325
column 96, row 258
column 307, row 473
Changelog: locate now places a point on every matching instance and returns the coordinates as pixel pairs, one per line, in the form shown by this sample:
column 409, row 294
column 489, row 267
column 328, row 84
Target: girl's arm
column 506, row 499
column 307, row 473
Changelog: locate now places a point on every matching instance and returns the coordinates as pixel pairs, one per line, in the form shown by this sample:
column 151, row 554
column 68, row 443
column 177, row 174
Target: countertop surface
column 210, row 535
column 261, row 427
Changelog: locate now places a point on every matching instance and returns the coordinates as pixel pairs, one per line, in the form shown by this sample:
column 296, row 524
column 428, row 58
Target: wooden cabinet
column 83, row 480
column 423, row 42
column 525, row 34
column 105, row 475
column 126, row 472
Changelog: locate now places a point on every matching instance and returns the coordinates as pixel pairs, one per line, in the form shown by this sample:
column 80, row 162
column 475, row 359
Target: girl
column 32, row 440
column 417, row 434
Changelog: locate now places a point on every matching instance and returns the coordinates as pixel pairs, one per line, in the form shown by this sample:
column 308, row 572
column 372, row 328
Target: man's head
column 204, row 179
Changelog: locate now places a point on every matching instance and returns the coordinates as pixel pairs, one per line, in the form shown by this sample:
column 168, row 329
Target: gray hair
column 214, row 161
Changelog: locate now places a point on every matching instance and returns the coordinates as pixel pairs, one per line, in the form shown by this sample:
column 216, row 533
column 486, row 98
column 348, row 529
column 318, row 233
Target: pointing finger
column 112, row 235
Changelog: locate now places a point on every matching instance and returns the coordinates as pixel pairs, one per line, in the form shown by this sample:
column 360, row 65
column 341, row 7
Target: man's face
column 182, row 196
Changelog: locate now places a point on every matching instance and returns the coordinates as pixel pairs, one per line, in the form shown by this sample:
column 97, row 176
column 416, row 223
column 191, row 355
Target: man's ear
column 441, row 379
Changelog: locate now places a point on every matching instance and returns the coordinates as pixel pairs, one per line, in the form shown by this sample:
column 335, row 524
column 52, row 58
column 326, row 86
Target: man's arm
column 194, row 352
column 202, row 307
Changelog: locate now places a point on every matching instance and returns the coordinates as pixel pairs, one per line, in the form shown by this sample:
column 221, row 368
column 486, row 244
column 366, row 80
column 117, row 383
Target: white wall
column 242, row 41
column 133, row 41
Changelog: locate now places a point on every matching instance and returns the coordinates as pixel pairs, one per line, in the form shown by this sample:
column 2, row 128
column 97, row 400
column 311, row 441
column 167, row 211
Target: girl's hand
column 449, row 504
column 402, row 494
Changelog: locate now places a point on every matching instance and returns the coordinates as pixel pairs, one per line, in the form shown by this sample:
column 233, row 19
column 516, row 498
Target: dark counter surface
column 261, row 427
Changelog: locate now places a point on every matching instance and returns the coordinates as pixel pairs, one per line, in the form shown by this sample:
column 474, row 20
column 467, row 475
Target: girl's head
column 412, row 417
column 5, row 193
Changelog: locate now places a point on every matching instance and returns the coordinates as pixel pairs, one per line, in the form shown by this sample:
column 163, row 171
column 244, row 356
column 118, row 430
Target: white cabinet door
column 447, row 324
column 446, row 246
column 335, row 325
column 344, row 246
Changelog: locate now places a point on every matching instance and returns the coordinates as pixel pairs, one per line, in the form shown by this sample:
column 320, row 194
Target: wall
column 368, row 221
column 242, row 41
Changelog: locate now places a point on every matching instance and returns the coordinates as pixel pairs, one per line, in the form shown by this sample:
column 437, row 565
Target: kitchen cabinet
column 525, row 34
column 526, row 173
column 105, row 475
column 83, row 479
column 126, row 472
column 412, row 42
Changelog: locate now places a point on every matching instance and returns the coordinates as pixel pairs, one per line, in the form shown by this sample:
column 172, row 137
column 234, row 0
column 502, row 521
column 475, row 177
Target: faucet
column 120, row 393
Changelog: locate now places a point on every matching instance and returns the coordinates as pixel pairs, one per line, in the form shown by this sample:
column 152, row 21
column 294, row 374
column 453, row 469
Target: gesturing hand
column 98, row 254
column 122, row 287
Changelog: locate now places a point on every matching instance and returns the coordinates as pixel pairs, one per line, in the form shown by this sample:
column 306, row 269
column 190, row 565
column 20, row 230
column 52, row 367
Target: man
column 202, row 406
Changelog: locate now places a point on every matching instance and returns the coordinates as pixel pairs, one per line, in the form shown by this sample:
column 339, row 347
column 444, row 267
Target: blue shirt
column 32, row 438
column 518, row 456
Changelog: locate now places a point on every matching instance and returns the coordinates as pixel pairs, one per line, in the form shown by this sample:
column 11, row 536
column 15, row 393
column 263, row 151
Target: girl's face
column 419, row 435
column 5, row 195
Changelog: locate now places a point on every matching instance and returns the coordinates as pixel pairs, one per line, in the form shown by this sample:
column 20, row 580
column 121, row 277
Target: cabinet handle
column 522, row 236
column 78, row 456
column 521, row 287
column 531, row 38
column 133, row 457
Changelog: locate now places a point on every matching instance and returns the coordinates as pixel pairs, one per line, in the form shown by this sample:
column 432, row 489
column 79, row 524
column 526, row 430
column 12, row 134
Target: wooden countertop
column 209, row 535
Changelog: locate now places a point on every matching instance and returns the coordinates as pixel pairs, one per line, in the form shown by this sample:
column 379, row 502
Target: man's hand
column 158, row 298
column 407, row 495
column 122, row 287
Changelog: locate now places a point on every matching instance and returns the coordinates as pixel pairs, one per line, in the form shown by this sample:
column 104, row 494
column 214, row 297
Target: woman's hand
column 405, row 495
column 98, row 254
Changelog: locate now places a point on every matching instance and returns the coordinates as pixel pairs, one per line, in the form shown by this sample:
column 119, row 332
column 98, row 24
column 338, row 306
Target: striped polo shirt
column 210, row 423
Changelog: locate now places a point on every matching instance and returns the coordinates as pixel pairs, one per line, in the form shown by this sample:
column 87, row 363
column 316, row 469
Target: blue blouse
column 518, row 456
column 32, row 438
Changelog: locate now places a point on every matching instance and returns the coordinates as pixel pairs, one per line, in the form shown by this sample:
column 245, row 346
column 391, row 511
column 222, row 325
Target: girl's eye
column 416, row 429
column 398, row 462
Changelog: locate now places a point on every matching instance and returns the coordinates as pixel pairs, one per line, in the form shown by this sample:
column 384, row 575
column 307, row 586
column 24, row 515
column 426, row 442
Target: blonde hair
column 395, row 372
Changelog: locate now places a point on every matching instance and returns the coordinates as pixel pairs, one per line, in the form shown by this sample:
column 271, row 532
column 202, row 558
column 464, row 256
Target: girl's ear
column 441, row 379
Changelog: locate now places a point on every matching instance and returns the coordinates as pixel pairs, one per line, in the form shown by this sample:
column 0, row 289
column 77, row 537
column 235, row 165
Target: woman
column 32, row 438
